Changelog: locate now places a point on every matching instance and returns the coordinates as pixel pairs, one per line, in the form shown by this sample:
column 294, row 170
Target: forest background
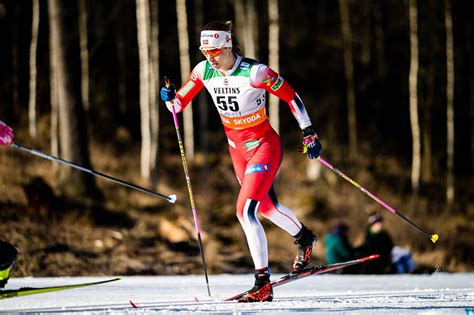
column 388, row 84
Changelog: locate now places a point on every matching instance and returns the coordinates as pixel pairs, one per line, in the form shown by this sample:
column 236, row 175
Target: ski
column 5, row 294
column 311, row 271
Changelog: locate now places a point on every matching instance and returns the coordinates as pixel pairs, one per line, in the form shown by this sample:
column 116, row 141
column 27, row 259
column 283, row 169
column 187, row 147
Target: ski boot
column 8, row 254
column 262, row 291
column 305, row 239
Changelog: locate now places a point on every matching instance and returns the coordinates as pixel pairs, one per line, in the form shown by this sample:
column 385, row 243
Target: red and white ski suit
column 255, row 148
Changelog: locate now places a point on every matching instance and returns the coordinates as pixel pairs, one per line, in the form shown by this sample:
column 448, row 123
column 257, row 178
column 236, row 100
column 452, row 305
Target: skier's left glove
column 8, row 254
column 311, row 143
column 6, row 134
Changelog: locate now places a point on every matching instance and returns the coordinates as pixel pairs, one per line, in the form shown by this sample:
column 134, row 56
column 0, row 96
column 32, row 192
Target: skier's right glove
column 167, row 93
column 311, row 143
column 6, row 134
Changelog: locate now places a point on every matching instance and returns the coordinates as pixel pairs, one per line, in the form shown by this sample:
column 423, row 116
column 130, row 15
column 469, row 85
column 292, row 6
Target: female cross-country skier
column 238, row 87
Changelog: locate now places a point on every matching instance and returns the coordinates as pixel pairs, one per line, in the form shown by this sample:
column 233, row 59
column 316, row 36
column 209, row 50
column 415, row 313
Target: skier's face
column 220, row 59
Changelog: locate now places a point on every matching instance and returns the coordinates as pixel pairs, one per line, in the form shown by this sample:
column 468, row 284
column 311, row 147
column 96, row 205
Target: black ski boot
column 8, row 254
column 262, row 291
column 305, row 239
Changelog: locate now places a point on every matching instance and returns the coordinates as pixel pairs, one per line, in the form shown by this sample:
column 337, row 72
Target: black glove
column 311, row 143
column 8, row 254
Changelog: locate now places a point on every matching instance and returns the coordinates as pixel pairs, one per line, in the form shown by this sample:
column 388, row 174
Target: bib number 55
column 227, row 103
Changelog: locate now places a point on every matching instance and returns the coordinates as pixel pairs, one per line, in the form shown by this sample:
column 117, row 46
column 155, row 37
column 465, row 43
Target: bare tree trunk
column 273, row 58
column 202, row 99
column 15, row 68
column 122, row 67
column 366, row 32
column 470, row 48
column 247, row 25
column 154, row 79
column 84, row 54
column 73, row 132
column 143, row 38
column 449, row 103
column 241, row 22
column 379, row 39
column 53, row 79
column 203, row 127
column 427, row 167
column 32, row 115
column 251, row 34
column 413, row 89
column 349, row 75
column 184, row 61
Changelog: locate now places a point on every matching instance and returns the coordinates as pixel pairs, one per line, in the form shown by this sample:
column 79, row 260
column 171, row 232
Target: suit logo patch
column 257, row 168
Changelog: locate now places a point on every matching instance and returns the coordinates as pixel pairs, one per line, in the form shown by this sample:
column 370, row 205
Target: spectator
column 402, row 260
column 337, row 246
column 377, row 241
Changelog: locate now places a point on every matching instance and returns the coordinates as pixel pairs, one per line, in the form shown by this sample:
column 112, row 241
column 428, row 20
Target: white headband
column 215, row 39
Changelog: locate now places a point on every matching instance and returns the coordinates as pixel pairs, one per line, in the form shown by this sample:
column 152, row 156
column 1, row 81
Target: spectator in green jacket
column 337, row 246
column 377, row 241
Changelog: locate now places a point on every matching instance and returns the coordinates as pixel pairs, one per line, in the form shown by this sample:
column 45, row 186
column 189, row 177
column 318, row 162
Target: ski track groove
column 437, row 294
column 384, row 301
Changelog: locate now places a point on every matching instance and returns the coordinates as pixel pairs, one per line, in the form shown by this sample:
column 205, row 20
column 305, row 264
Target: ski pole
column 433, row 237
column 170, row 198
column 190, row 190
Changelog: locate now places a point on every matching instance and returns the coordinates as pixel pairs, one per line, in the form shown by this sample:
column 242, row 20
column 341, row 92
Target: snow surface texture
column 440, row 293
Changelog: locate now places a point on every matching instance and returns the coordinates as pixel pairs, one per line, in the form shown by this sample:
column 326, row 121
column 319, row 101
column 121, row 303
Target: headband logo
column 216, row 35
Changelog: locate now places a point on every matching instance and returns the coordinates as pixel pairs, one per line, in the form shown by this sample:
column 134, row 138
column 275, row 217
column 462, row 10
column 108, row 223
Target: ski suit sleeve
column 188, row 91
column 265, row 78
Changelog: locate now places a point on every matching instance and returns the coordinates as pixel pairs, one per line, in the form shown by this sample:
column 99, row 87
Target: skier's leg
column 280, row 215
column 256, row 239
column 247, row 214
column 286, row 219
column 256, row 179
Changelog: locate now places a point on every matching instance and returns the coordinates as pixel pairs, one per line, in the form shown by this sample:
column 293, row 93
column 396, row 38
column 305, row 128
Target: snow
column 439, row 293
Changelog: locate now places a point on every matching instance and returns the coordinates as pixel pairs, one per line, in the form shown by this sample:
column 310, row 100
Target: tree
column 73, row 132
column 143, row 36
column 273, row 58
column 413, row 91
column 32, row 115
column 449, row 103
column 53, row 82
column 84, row 54
column 15, row 65
column 247, row 25
column 349, row 75
column 201, row 97
column 154, row 79
column 122, row 65
column 184, row 62
column 429, row 80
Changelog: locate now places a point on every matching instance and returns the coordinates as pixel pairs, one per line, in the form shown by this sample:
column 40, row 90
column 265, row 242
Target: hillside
column 134, row 234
